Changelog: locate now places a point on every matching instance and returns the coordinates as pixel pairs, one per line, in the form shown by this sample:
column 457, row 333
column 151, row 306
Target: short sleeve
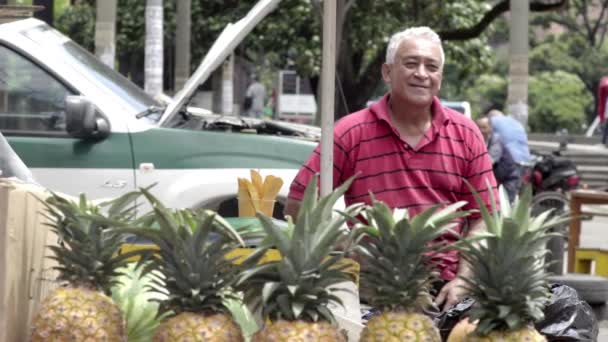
column 342, row 169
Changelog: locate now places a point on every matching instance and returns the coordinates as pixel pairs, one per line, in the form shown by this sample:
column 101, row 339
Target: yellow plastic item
column 591, row 261
column 258, row 194
column 241, row 253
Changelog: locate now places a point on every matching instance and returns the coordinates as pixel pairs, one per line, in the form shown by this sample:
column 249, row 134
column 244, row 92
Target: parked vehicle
column 463, row 107
column 551, row 172
column 82, row 127
column 551, row 177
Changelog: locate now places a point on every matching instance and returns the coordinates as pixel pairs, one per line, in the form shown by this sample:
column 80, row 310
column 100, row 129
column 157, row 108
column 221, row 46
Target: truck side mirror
column 83, row 120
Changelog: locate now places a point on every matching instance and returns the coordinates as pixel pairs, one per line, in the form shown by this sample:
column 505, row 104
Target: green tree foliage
column 579, row 47
column 291, row 37
column 78, row 22
column 557, row 101
column 489, row 91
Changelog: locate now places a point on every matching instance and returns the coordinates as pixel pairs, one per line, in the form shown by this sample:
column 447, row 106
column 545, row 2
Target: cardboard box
column 25, row 271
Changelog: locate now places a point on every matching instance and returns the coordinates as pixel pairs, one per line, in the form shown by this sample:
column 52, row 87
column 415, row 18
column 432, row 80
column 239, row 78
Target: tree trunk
column 182, row 45
column 105, row 32
column 228, row 86
column 153, row 65
column 517, row 100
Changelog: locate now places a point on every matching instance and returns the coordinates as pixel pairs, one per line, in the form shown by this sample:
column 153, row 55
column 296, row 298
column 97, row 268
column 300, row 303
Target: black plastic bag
column 567, row 317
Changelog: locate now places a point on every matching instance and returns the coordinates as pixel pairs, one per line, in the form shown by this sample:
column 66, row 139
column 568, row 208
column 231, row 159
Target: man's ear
column 386, row 73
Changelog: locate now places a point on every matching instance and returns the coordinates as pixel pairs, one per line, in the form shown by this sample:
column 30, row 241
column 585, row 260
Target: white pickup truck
column 81, row 127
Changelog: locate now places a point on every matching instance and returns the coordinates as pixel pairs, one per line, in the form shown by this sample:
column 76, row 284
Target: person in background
column 513, row 134
column 409, row 150
column 257, row 93
column 506, row 170
column 602, row 105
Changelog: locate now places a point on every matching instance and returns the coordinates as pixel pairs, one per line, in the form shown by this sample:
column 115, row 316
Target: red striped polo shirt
column 367, row 144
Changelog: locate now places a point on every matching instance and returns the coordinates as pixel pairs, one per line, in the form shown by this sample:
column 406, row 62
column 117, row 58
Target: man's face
column 415, row 76
column 485, row 128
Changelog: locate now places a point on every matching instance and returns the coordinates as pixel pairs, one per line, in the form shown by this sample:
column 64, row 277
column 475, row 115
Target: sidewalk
column 603, row 335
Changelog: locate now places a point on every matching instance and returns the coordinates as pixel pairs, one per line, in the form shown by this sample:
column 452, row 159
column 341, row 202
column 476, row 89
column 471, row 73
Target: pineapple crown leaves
column 508, row 299
column 132, row 295
column 87, row 249
column 398, row 253
column 300, row 285
column 190, row 266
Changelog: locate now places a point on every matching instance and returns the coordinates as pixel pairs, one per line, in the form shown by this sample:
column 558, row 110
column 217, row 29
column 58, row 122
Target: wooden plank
column 23, row 262
column 15, row 294
column 4, row 194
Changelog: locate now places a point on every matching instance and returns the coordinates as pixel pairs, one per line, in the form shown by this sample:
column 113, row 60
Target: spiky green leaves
column 191, row 267
column 87, row 252
column 508, row 278
column 298, row 287
column 397, row 254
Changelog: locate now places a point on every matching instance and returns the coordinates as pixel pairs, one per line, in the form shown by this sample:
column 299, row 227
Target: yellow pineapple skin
column 298, row 331
column 400, row 326
column 78, row 314
column 463, row 332
column 194, row 327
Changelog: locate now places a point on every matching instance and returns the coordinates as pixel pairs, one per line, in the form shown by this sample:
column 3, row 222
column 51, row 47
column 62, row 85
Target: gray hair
column 423, row 32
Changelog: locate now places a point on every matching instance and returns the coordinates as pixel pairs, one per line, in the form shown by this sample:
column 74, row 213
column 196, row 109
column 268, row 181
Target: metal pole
column 517, row 99
column 328, row 77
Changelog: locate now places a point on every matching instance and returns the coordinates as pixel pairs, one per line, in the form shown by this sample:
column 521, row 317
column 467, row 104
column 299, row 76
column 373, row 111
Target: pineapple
column 294, row 294
column 398, row 270
column 192, row 272
column 508, row 280
column 81, row 310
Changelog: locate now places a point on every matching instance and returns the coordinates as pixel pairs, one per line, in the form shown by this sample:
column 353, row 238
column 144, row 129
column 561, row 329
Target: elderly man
column 408, row 149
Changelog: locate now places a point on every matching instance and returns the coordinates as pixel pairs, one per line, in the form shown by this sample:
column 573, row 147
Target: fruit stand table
column 577, row 199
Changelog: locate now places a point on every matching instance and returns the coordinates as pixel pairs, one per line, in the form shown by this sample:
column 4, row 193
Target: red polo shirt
column 367, row 144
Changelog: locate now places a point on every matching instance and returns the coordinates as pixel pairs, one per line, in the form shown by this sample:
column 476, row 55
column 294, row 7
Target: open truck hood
column 224, row 45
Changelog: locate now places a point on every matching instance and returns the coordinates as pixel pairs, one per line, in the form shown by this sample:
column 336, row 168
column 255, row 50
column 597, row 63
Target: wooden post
column 328, row 77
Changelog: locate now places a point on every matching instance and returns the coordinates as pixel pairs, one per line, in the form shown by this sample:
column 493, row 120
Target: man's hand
column 455, row 290
column 451, row 294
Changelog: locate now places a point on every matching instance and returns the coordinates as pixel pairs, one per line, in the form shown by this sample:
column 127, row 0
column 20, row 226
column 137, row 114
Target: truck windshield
column 88, row 64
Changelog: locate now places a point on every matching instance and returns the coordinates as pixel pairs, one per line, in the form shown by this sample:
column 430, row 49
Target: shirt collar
column 381, row 109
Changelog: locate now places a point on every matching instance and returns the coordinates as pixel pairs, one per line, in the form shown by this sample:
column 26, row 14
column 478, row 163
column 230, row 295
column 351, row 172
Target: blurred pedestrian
column 256, row 93
column 602, row 104
column 506, row 170
column 513, row 134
